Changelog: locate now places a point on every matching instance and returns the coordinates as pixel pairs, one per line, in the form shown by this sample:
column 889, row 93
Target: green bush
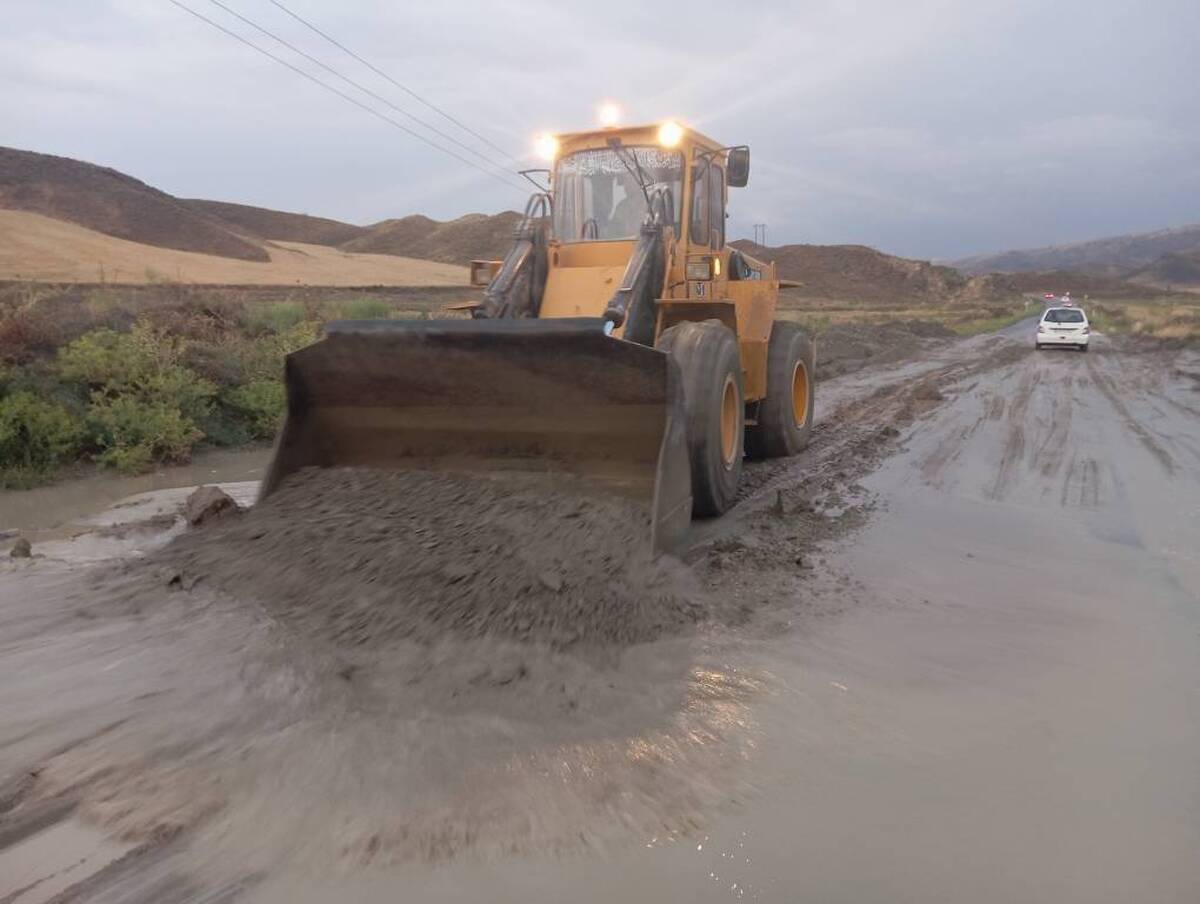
column 134, row 432
column 273, row 317
column 35, row 436
column 260, row 404
column 144, row 403
column 365, row 308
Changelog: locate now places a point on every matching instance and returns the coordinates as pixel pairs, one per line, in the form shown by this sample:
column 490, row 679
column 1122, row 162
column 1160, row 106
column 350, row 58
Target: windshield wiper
column 640, row 176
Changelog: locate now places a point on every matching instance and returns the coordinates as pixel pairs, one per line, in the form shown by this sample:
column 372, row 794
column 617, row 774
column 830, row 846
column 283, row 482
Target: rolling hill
column 113, row 227
column 475, row 235
column 1120, row 256
column 277, row 224
column 38, row 248
column 112, row 203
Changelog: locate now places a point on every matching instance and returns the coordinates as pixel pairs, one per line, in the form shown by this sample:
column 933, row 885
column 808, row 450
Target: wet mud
column 962, row 613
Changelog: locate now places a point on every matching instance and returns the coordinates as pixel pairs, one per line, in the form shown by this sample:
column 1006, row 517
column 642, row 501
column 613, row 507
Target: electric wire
column 384, row 75
column 344, row 96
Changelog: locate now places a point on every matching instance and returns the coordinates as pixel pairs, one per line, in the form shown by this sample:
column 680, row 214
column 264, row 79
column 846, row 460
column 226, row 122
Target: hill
column 278, row 224
column 855, row 272
column 1117, row 256
column 40, row 248
column 458, row 241
column 117, row 205
column 1180, row 270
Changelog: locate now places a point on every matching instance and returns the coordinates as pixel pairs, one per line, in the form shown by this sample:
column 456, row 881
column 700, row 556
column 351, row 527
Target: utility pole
column 760, row 235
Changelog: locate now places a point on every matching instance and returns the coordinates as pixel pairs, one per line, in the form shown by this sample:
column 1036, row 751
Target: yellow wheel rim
column 800, row 394
column 729, row 422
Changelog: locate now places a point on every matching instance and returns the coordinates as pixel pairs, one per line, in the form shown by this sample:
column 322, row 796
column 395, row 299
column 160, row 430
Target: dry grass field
column 39, row 248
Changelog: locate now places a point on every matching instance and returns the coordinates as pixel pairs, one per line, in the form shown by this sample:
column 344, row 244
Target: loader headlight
column 670, row 133
column 546, row 146
column 609, row 115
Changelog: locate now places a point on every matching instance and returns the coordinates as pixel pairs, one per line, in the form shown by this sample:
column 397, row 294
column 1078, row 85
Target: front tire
column 785, row 415
column 711, row 368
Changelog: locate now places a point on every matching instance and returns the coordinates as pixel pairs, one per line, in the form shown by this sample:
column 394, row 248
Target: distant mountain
column 112, row 203
column 1180, row 270
column 470, row 237
column 1119, row 256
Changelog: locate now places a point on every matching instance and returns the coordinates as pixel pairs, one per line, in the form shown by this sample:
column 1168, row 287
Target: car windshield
column 1064, row 315
column 597, row 198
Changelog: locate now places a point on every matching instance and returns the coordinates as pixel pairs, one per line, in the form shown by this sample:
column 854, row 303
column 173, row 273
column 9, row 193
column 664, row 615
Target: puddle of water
column 38, row 512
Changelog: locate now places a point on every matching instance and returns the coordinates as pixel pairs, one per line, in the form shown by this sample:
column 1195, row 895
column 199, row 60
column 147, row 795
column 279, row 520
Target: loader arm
column 633, row 304
column 516, row 291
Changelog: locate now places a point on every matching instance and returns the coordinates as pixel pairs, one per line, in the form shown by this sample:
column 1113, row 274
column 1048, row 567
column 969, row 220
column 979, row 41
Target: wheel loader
column 620, row 339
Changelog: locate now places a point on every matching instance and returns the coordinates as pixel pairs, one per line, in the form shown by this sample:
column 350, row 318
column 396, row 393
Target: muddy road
column 957, row 657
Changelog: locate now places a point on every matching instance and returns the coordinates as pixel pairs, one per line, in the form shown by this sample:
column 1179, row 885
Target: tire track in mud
column 1014, row 442
column 787, row 506
column 1081, row 484
column 1105, row 384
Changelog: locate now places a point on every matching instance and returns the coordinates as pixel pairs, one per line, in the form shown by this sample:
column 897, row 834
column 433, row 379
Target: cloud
column 932, row 127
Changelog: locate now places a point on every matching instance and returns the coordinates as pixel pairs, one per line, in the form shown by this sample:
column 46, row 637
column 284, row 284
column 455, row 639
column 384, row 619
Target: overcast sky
column 922, row 127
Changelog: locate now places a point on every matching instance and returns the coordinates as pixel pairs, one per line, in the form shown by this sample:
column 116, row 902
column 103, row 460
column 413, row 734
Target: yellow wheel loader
column 620, row 339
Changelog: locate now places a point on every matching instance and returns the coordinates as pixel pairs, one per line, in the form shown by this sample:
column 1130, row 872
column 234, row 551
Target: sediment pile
column 365, row 557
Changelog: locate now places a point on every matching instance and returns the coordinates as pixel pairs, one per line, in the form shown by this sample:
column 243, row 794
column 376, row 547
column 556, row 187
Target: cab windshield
column 598, row 199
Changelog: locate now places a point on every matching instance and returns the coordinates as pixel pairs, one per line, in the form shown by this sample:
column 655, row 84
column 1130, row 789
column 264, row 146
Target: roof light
column 546, row 146
column 670, row 133
column 609, row 115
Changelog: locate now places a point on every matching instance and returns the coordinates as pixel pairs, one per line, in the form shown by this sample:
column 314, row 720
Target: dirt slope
column 863, row 274
column 1172, row 271
column 36, row 247
column 278, row 224
column 1114, row 256
column 475, row 235
column 115, row 204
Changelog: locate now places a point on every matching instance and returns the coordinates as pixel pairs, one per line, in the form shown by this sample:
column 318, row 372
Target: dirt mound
column 861, row 274
column 110, row 202
column 366, row 558
column 468, row 238
column 278, row 224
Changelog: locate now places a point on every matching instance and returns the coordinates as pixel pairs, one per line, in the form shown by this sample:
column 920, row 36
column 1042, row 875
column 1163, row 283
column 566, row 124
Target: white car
column 1063, row 326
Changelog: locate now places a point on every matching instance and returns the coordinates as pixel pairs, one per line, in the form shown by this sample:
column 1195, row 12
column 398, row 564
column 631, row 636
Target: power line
column 344, row 96
column 382, row 74
column 354, row 84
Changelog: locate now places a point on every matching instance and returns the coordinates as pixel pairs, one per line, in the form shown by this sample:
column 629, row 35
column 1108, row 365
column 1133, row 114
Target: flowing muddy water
column 988, row 690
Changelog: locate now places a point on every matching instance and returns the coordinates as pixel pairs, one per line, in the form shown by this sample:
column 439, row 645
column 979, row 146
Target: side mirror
column 737, row 167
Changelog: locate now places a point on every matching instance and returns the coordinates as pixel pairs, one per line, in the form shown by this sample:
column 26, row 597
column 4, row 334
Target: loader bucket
column 492, row 395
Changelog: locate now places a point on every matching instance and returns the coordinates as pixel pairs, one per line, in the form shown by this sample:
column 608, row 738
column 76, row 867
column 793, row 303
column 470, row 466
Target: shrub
column 35, row 436
column 365, row 308
column 144, row 403
column 134, row 432
column 273, row 317
column 261, row 404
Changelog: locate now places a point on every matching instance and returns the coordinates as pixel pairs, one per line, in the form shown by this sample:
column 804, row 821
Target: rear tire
column 785, row 414
column 1037, row 346
column 711, row 368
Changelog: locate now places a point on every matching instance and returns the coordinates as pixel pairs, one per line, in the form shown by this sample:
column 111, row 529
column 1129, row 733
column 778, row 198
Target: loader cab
column 603, row 183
